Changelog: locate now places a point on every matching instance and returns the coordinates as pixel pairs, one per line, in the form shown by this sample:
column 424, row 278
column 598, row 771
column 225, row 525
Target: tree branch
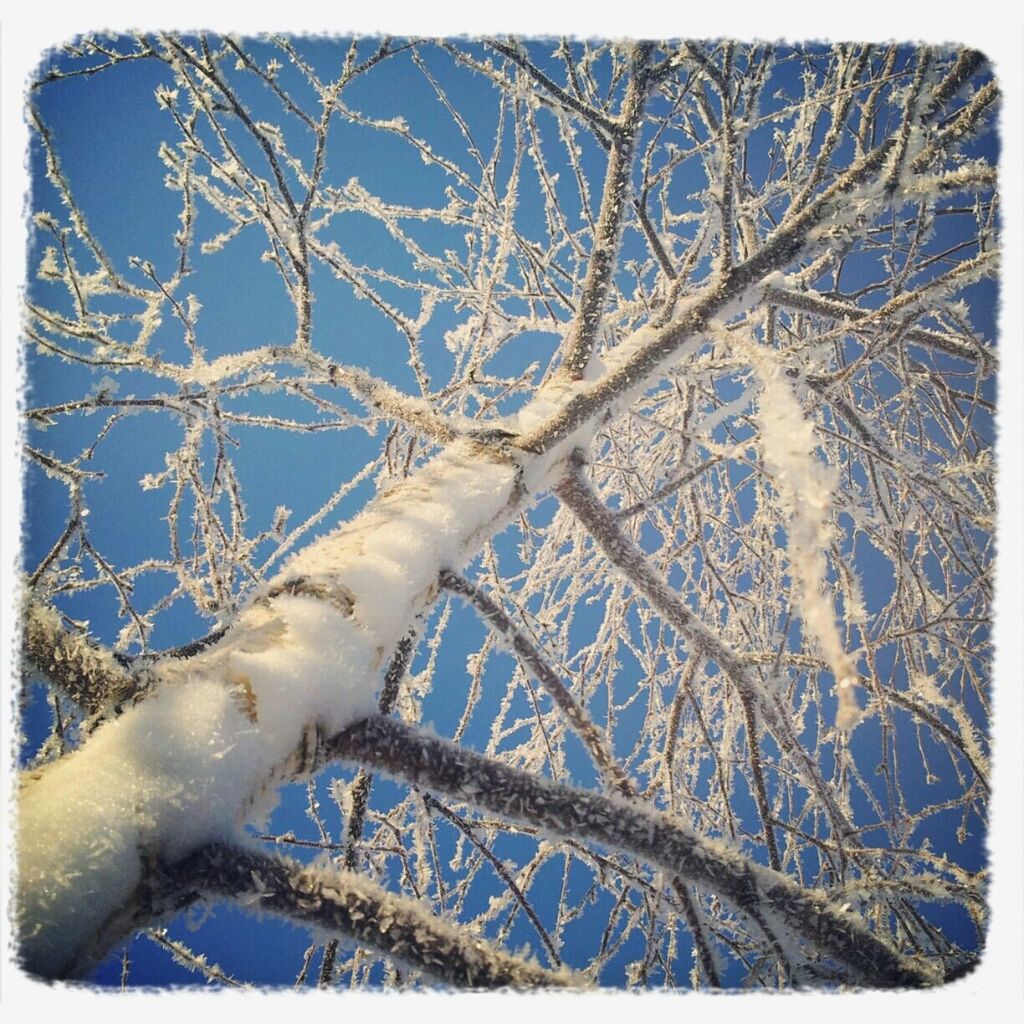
column 341, row 902
column 836, row 309
column 468, row 777
column 86, row 671
column 603, row 126
column 579, row 342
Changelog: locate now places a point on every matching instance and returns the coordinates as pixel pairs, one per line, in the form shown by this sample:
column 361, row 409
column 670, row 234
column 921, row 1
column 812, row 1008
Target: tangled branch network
column 521, row 512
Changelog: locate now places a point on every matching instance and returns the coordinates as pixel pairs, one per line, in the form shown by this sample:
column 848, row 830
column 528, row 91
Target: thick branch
column 87, row 672
column 959, row 128
column 576, row 814
column 635, row 366
column 345, row 903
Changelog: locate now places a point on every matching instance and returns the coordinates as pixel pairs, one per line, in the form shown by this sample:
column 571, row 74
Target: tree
column 637, row 403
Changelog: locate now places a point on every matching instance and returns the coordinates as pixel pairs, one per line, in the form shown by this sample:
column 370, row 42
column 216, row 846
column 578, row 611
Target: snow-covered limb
column 340, row 902
column 626, row 826
column 579, row 343
column 959, row 127
column 847, row 312
column 805, row 486
column 175, row 771
column 186, row 765
column 615, row 778
column 88, row 673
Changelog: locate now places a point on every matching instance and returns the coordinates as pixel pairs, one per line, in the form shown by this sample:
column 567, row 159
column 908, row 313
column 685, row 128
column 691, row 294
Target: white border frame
column 998, row 984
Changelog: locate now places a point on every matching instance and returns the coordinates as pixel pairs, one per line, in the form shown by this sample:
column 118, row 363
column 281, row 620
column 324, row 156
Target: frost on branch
column 205, row 752
column 805, row 485
column 423, row 387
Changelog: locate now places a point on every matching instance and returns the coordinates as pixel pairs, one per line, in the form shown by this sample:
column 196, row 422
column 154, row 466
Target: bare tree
column 694, row 416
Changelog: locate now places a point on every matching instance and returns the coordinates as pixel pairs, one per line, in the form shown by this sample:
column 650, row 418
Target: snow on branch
column 805, row 486
column 214, row 740
column 86, row 671
column 719, row 196
column 623, row 825
column 341, row 902
column 845, row 312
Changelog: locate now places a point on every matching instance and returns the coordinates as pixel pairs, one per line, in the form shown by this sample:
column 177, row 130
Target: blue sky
column 107, row 129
